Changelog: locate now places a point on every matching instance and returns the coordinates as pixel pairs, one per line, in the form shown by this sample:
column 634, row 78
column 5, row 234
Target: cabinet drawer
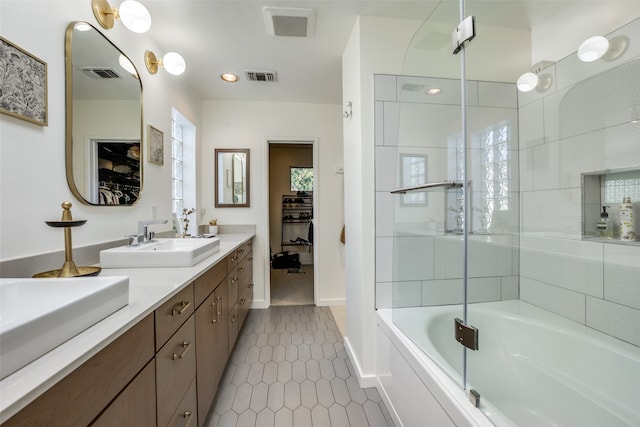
column 233, row 327
column 172, row 314
column 232, row 287
column 205, row 284
column 136, row 405
column 79, row 397
column 175, row 370
column 244, row 250
column 186, row 415
column 232, row 260
column 245, row 272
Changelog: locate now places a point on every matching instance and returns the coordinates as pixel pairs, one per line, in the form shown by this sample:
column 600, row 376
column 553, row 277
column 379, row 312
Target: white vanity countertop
column 148, row 289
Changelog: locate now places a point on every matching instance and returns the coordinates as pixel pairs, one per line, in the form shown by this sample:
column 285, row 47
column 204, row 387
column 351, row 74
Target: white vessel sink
column 37, row 315
column 162, row 253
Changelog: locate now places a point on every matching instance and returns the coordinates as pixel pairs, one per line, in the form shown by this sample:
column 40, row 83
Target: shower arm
column 445, row 184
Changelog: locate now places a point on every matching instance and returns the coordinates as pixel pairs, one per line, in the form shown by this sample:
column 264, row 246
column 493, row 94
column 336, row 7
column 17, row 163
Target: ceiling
column 217, row 36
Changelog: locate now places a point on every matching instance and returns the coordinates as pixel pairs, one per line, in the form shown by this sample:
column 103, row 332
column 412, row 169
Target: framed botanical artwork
column 156, row 145
column 23, row 79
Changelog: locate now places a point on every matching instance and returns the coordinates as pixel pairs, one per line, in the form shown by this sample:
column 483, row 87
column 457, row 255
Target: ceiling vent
column 261, row 76
column 289, row 21
column 101, row 72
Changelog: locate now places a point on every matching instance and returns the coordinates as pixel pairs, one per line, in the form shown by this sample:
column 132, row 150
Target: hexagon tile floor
column 290, row 368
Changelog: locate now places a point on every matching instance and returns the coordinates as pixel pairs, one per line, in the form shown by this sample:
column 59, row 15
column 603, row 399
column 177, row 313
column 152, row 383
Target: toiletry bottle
column 604, row 226
column 627, row 228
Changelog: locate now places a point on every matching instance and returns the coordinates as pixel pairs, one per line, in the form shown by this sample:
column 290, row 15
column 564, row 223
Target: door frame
column 265, row 194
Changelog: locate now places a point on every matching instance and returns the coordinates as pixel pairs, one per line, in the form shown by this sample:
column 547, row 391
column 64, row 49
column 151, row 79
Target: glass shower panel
column 541, row 164
column 425, row 284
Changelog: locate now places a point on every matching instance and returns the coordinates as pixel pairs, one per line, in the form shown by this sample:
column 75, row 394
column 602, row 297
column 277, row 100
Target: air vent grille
column 261, row 76
column 101, row 73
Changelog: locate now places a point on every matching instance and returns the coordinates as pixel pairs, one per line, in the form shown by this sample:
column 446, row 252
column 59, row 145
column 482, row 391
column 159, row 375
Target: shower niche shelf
column 608, row 188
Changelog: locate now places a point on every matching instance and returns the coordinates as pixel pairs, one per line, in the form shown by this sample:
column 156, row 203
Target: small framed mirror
column 232, row 178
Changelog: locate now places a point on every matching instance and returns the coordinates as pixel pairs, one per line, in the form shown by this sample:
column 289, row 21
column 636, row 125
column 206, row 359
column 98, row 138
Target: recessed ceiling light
column 229, row 77
column 433, row 91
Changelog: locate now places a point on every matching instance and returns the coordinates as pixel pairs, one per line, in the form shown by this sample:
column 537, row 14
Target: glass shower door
column 419, row 147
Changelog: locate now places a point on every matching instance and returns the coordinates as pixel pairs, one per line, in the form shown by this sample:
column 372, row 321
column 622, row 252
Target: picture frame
column 156, row 145
column 24, row 93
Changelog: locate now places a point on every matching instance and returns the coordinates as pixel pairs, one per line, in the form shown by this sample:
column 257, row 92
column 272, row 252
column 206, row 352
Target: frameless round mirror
column 232, row 178
column 104, row 119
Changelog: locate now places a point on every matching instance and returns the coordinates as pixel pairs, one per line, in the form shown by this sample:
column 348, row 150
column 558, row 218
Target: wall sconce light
column 171, row 61
column 348, row 111
column 133, row 15
column 534, row 80
column 593, row 49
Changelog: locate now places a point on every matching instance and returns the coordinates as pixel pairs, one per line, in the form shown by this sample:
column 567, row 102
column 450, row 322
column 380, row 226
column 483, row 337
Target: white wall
column 32, row 158
column 250, row 125
column 376, row 45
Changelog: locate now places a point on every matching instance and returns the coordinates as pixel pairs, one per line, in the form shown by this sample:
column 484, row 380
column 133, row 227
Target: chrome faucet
column 144, row 233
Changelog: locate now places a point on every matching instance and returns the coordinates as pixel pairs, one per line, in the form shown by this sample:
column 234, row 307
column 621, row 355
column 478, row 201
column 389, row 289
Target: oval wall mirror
column 103, row 120
column 232, row 178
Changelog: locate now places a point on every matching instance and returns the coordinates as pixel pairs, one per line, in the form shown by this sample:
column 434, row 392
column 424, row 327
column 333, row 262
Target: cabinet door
column 136, row 405
column 222, row 342
column 175, row 369
column 207, row 336
column 234, row 323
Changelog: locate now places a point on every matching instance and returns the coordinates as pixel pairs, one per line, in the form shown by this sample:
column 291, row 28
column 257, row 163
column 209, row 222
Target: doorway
column 291, row 227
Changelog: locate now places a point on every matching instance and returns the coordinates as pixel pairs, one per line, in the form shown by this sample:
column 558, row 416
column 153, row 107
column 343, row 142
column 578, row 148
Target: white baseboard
column 330, row 302
column 261, row 304
column 365, row 381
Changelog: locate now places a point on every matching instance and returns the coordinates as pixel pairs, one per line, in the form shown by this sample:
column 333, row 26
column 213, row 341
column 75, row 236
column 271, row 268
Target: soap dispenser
column 604, row 225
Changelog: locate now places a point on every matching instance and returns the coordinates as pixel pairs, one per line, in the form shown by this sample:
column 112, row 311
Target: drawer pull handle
column 242, row 269
column 250, row 285
column 234, row 258
column 251, row 258
column 241, row 251
column 215, row 312
column 234, row 318
column 242, row 301
column 234, row 280
column 219, row 307
column 180, row 308
column 185, row 346
column 187, row 415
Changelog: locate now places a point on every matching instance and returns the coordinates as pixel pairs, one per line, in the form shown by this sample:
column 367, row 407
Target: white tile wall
column 497, row 95
column 531, row 124
column 571, row 264
column 391, row 123
column 622, row 274
column 555, row 211
column 564, row 302
column 385, row 87
column 614, row 319
column 398, row 294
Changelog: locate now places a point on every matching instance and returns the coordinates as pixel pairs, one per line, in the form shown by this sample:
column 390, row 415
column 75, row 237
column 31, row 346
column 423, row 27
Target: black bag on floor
column 285, row 260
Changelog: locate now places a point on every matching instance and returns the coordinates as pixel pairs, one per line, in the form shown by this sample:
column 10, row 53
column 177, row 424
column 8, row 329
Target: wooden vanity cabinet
column 163, row 371
column 80, row 397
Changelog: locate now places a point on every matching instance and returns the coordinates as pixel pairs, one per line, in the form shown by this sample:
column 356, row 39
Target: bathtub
column 533, row 368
